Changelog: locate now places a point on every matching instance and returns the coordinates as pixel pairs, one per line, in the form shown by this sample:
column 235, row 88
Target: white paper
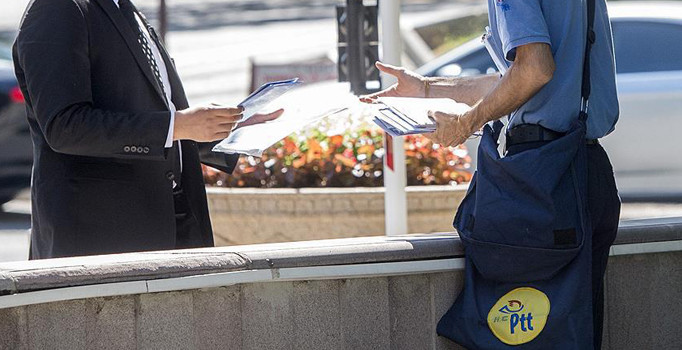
column 407, row 115
column 495, row 51
column 302, row 107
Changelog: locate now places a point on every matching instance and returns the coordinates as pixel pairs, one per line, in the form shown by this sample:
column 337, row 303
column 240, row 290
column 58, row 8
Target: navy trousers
column 604, row 207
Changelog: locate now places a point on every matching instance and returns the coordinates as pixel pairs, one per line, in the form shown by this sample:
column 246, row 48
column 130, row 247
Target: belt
column 536, row 133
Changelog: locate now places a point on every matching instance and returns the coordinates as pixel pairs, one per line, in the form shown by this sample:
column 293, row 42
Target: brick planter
column 247, row 216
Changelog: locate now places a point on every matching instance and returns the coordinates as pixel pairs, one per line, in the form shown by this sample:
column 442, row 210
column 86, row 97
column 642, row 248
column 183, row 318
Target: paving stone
column 110, row 323
column 165, row 321
column 267, row 317
column 643, row 298
column 59, row 325
column 365, row 313
column 217, row 318
column 411, row 317
column 317, row 324
column 445, row 288
column 13, row 328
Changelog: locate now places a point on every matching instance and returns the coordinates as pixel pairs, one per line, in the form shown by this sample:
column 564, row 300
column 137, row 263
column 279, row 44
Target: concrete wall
column 396, row 312
column 368, row 313
column 248, row 216
column 359, row 293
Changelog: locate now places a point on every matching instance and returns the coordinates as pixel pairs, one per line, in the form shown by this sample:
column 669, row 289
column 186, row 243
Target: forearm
column 469, row 90
column 521, row 82
column 86, row 131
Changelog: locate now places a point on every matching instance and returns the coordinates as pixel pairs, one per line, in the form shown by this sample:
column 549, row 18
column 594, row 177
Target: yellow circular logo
column 519, row 316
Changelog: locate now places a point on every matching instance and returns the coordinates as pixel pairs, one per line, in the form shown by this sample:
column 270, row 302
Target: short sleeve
column 520, row 22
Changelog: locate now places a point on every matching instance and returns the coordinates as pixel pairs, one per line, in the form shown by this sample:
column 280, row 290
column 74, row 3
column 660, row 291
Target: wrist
column 426, row 86
column 177, row 126
column 474, row 120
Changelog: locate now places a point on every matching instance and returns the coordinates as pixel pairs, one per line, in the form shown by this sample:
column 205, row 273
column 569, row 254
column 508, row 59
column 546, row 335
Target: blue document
column 264, row 95
column 400, row 116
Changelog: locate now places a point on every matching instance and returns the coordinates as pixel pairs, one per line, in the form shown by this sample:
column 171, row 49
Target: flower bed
column 347, row 152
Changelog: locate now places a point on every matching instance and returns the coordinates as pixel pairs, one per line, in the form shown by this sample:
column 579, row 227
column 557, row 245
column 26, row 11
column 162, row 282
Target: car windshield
column 640, row 46
column 647, row 46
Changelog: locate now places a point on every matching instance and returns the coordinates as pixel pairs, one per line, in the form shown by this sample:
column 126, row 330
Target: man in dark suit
column 116, row 147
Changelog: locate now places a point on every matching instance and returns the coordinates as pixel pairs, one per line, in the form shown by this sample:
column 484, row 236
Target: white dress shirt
column 166, row 82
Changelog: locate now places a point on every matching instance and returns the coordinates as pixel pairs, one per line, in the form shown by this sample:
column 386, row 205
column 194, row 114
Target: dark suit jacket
column 102, row 176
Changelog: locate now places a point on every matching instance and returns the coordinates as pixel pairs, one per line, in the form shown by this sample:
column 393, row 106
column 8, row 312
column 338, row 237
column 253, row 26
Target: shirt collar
column 116, row 2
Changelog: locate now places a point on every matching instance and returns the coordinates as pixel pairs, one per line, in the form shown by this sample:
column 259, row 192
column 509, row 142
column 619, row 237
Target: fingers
column 371, row 98
column 226, row 115
column 226, row 111
column 262, row 118
column 270, row 116
column 437, row 115
column 389, row 69
column 222, row 135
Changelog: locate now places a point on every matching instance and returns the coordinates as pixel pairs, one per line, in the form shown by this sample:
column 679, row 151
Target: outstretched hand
column 410, row 84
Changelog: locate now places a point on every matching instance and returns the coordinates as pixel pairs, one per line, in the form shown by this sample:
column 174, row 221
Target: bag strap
column 591, row 37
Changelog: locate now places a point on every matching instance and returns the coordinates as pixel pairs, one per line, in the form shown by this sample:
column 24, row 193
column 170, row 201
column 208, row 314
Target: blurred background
column 223, row 49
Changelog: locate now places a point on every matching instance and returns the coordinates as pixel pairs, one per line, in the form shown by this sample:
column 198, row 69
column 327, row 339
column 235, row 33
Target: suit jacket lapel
column 178, row 93
column 131, row 40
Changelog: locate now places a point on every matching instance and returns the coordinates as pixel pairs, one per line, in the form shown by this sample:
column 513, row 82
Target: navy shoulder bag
column 525, row 228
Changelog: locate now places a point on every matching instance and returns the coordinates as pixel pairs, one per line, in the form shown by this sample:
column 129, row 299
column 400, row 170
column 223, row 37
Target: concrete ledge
column 20, row 277
column 634, row 237
column 650, row 230
column 376, row 292
column 57, row 273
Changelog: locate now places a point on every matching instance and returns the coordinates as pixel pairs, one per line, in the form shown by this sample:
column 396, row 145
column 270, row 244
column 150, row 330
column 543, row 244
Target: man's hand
column 410, row 84
column 206, row 123
column 451, row 129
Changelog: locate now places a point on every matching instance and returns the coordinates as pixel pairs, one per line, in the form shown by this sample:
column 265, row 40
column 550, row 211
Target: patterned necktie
column 129, row 12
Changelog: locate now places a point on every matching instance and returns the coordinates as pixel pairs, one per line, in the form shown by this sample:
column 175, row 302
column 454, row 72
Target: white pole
column 395, row 180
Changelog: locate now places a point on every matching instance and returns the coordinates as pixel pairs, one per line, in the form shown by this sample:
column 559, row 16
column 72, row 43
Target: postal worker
column 541, row 45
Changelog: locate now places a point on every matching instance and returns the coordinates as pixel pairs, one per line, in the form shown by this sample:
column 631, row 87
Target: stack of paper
column 262, row 97
column 303, row 106
column 401, row 116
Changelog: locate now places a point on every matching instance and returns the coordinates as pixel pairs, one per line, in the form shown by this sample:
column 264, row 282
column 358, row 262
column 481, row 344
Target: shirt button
column 133, row 149
column 126, row 149
column 146, row 150
column 140, row 150
column 170, row 176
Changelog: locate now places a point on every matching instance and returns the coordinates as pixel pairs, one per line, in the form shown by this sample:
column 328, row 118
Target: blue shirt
column 563, row 25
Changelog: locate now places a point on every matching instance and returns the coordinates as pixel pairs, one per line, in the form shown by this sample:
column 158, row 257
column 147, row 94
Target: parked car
column 16, row 150
column 643, row 149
